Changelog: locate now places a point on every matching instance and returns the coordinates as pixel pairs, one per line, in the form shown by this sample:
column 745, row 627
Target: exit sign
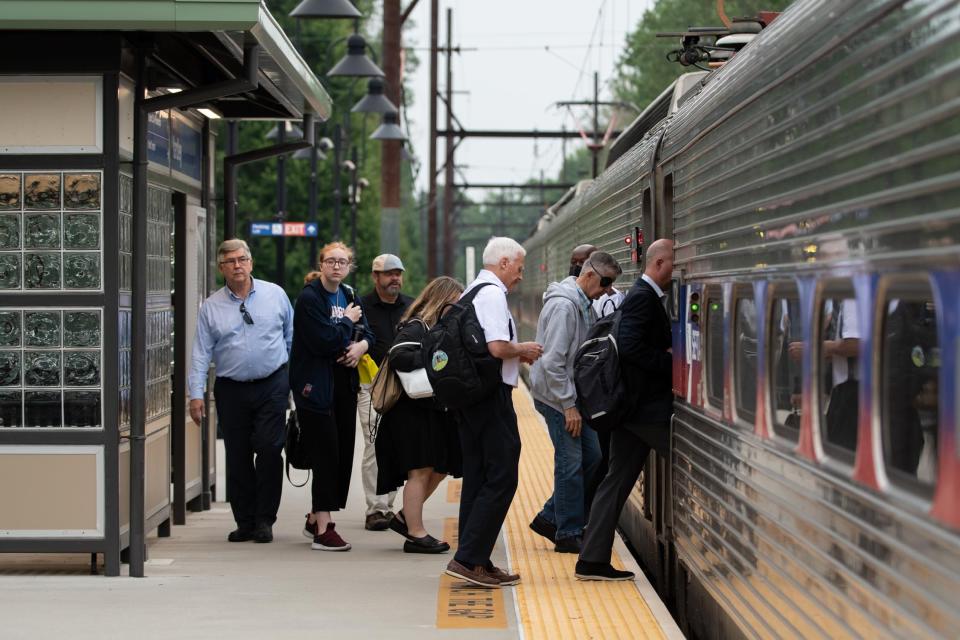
column 280, row 229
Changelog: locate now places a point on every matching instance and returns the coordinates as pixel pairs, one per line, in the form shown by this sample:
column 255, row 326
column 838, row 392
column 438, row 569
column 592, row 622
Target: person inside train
column 579, row 255
column 646, row 359
column 416, row 442
column 564, row 323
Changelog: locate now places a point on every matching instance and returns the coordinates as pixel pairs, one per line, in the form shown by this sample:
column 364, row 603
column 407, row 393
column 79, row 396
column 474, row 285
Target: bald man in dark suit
column 646, row 360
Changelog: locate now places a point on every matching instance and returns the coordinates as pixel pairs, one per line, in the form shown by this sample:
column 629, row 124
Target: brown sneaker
column 478, row 575
column 377, row 521
column 330, row 540
column 506, row 579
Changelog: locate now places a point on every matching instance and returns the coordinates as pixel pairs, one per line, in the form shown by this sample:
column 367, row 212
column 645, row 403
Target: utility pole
column 281, row 241
column 595, row 148
column 448, row 172
column 390, row 149
column 596, row 141
column 432, row 175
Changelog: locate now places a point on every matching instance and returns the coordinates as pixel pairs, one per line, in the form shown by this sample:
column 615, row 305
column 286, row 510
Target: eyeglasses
column 246, row 315
column 334, row 262
column 240, row 260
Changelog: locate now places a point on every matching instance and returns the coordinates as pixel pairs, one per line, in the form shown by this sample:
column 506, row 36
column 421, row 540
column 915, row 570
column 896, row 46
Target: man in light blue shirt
column 246, row 329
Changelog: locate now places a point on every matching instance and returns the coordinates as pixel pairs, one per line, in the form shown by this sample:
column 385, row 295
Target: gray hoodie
column 562, row 328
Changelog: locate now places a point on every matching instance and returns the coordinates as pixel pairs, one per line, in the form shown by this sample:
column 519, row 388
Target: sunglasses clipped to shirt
column 246, row 314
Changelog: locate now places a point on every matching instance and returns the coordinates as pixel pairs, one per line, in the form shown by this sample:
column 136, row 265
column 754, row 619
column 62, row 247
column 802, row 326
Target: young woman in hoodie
column 330, row 336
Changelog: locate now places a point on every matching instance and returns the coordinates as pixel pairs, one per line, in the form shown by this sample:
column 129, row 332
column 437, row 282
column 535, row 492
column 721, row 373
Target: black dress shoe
column 600, row 571
column 263, row 533
column 568, row 545
column 545, row 528
column 426, row 544
column 240, row 535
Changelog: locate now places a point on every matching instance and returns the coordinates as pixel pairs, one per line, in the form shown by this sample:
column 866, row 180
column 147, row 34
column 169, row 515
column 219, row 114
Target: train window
column 839, row 335
column 910, row 364
column 745, row 355
column 714, row 348
column 786, row 350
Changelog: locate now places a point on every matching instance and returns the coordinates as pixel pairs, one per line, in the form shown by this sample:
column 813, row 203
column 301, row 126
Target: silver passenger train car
column 812, row 187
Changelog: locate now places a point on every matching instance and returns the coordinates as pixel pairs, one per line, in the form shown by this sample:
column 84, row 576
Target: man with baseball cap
column 383, row 308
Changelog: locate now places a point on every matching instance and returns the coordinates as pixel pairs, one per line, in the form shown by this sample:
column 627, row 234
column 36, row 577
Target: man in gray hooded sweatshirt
column 564, row 322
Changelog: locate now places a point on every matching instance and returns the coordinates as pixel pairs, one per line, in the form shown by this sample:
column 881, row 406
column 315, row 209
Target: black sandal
column 399, row 525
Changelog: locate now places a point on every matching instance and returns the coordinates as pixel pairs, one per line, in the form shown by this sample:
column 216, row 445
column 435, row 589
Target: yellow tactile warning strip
column 461, row 605
column 453, row 490
column 552, row 603
column 451, row 532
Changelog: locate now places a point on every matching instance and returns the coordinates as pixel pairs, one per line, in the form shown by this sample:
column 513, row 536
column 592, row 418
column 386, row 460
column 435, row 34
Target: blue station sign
column 283, row 229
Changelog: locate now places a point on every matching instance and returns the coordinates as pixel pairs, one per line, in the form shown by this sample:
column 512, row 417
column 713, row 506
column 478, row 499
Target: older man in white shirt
column 488, row 430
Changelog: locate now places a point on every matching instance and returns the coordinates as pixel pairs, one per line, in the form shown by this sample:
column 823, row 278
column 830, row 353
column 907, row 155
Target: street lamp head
column 304, row 154
column 291, row 132
column 348, row 165
column 325, row 144
column 363, row 183
column 325, row 9
column 374, row 101
column 356, row 64
column 389, row 129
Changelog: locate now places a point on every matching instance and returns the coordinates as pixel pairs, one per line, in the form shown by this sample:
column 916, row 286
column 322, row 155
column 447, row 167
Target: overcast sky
column 519, row 58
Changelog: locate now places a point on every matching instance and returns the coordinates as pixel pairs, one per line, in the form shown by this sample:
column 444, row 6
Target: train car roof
column 662, row 106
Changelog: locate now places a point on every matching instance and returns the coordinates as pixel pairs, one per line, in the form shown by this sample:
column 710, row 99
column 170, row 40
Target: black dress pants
column 629, row 448
column 490, row 442
column 252, row 417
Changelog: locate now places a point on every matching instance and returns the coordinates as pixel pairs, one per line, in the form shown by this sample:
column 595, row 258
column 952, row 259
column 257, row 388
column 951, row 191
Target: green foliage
column 321, row 44
column 643, row 71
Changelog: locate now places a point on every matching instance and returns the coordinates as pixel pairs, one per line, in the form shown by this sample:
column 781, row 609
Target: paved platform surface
column 198, row 585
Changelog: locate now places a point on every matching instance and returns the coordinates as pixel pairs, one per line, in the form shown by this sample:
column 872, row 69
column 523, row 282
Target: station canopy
column 193, row 43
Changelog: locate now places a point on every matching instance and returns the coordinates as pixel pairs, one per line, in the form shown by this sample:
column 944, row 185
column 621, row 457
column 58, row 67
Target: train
column 811, row 185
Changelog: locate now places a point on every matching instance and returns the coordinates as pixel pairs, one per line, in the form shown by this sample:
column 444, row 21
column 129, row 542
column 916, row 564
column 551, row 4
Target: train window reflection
column 839, row 363
column 909, row 376
column 786, row 352
column 714, row 351
column 745, row 357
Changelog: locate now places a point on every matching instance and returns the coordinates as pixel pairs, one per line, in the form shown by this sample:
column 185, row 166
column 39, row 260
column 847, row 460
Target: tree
column 320, row 43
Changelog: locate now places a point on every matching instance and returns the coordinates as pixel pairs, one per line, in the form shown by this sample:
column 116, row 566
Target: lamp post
column 355, row 64
column 315, row 154
column 279, row 134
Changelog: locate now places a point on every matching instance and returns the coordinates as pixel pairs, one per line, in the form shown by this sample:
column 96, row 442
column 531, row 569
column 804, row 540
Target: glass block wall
column 50, row 231
column 159, row 307
column 50, row 368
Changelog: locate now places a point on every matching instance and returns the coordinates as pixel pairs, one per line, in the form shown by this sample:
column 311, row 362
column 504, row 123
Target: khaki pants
column 368, row 466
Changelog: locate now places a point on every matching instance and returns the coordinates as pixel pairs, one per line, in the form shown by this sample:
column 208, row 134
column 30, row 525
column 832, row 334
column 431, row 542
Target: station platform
column 198, row 585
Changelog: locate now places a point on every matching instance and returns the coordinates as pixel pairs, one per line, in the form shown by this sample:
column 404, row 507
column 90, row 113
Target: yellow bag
column 367, row 369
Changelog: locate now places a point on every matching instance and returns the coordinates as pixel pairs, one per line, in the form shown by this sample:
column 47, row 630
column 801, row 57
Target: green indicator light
column 714, row 306
column 695, row 307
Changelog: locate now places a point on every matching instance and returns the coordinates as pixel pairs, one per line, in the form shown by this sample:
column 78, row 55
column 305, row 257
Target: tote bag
column 386, row 388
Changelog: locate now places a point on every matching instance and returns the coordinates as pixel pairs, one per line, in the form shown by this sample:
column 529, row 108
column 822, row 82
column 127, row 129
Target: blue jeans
column 575, row 461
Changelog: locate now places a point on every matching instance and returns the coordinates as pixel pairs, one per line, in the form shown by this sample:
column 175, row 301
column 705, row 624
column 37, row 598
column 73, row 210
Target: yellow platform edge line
column 551, row 603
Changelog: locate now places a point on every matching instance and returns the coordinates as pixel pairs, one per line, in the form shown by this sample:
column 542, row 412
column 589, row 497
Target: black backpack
column 601, row 393
column 459, row 366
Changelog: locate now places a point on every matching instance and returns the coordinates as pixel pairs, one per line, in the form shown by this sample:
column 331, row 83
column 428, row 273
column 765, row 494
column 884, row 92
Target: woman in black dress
column 417, row 440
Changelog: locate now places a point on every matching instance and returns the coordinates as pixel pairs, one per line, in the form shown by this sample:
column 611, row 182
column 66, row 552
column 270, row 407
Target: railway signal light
column 694, row 308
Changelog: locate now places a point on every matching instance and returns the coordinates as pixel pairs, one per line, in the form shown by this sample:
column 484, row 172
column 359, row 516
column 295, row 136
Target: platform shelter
column 108, row 232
